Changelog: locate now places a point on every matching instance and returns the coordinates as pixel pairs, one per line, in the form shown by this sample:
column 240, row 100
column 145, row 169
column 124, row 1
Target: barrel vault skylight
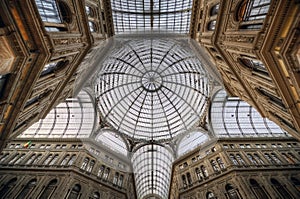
column 145, row 15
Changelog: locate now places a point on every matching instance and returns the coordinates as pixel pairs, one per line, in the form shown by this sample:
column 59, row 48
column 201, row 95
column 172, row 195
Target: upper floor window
column 254, row 65
column 74, row 193
column 92, row 26
column 211, row 25
column 49, row 189
column 56, row 12
column 214, row 166
column 53, row 66
column 257, row 189
column 232, row 192
column 221, row 163
column 3, row 81
column 210, row 195
column 215, row 9
column 280, row 189
column 251, row 10
column 271, row 97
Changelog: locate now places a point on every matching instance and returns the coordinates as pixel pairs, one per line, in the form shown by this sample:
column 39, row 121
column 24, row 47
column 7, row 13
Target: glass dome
column 152, row 89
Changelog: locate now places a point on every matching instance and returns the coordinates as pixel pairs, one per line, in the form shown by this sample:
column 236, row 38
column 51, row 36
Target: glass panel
column 48, row 10
column 162, row 15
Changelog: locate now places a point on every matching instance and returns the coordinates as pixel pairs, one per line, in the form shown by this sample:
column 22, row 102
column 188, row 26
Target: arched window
column 199, row 174
column 251, row 10
column 214, row 166
column 101, row 171
column 54, row 159
column 204, row 171
column 220, row 162
column 210, row 195
column 72, row 160
column 49, row 189
column 258, row 191
column 120, row 182
column 189, row 178
column 214, row 9
column 74, row 193
column 20, row 159
column 54, row 13
column 96, row 195
column 233, row 159
column 31, row 159
column 184, row 181
column 89, row 11
column 275, row 158
column 14, row 159
column 53, row 66
column 296, row 183
column 37, row 159
column 232, row 193
column 4, row 157
column 116, row 178
column 281, row 190
column 91, row 166
column 106, row 173
column 211, row 25
column 92, row 26
column 27, row 189
column 254, row 65
column 48, row 159
column 258, row 159
column 270, row 96
column 65, row 160
column 252, row 160
column 84, row 163
column 7, row 187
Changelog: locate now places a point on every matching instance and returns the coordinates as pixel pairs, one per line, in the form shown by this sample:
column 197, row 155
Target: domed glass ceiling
column 152, row 89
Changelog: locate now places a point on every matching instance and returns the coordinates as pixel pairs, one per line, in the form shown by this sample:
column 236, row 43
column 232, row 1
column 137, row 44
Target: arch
column 252, row 10
column 214, row 166
column 232, row 192
column 96, row 195
column 204, row 171
column 210, row 195
column 214, row 10
column 49, row 189
column 221, row 163
column 199, row 174
column 65, row 11
column 74, row 193
column 27, row 189
column 211, row 25
column 8, row 186
column 53, row 67
column 72, row 160
column 189, row 178
column 280, row 189
column 296, row 183
column 92, row 26
column 85, row 163
column 258, row 191
column 184, row 182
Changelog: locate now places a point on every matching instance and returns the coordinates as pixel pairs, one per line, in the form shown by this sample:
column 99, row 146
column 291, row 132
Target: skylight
column 152, row 89
column 146, row 15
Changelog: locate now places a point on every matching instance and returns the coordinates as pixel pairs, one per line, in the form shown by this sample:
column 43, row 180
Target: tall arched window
column 281, row 190
column 211, row 25
column 221, row 163
column 258, row 191
column 53, row 66
column 31, row 159
column 215, row 9
column 90, row 166
column 116, row 178
column 54, row 13
column 49, row 189
column 199, row 174
column 258, row 159
column 84, row 163
column 27, row 189
column 72, row 160
column 233, row 159
column 204, row 171
column 106, row 173
column 101, row 171
column 270, row 96
column 37, row 159
column 254, row 65
column 251, row 10
column 54, row 159
column 120, row 182
column 14, row 159
column 296, row 183
column 214, row 166
column 96, row 195
column 7, row 187
column 48, row 159
column 189, row 178
column 65, row 160
column 252, row 160
column 210, row 195
column 275, row 158
column 184, row 181
column 20, row 159
column 232, row 192
column 74, row 193
column 4, row 157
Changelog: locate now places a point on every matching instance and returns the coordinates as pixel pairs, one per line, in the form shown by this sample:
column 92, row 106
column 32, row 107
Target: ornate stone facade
column 257, row 53
column 42, row 45
column 239, row 168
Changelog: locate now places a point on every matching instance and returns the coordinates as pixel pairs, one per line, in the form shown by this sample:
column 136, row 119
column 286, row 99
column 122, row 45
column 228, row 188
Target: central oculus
column 152, row 89
column 151, row 81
